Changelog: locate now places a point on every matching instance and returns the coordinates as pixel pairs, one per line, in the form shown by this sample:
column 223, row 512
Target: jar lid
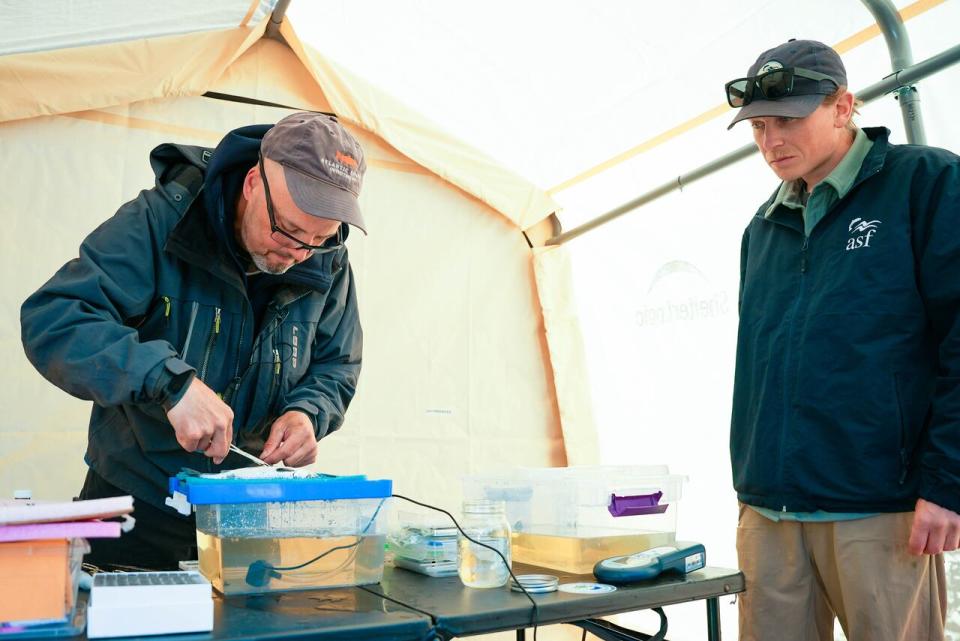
column 535, row 583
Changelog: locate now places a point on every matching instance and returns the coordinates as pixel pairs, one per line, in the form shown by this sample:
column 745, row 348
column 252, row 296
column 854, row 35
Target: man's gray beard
column 261, row 263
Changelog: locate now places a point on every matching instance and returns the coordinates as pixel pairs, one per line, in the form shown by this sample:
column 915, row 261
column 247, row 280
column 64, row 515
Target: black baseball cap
column 808, row 94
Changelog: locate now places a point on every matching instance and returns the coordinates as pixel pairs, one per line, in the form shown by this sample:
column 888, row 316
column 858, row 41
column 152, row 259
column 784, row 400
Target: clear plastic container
column 569, row 518
column 258, row 536
column 267, row 547
column 480, row 567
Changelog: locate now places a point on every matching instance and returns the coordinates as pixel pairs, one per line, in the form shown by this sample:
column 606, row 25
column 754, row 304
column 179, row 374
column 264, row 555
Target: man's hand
column 203, row 422
column 935, row 529
column 291, row 440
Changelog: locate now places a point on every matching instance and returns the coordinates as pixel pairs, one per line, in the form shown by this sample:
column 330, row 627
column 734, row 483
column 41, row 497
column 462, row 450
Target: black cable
column 263, row 571
column 433, row 619
column 534, row 617
column 306, row 563
column 260, row 572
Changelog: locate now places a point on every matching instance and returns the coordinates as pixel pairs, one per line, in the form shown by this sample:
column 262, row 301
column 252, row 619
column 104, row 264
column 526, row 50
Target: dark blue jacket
column 156, row 293
column 847, row 388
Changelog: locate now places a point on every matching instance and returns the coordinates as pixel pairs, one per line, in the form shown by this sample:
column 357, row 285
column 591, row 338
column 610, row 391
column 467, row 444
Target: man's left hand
column 935, row 529
column 291, row 441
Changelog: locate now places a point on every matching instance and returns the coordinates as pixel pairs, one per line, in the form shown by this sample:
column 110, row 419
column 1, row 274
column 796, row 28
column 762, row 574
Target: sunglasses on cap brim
column 775, row 85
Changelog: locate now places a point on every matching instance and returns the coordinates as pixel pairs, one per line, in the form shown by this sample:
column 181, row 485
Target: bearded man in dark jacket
column 216, row 308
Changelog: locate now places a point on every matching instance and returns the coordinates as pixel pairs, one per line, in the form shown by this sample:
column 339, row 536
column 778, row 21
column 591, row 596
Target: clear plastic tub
column 256, row 547
column 570, row 518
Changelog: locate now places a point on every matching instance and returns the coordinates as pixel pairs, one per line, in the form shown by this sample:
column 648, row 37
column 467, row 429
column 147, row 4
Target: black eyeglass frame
column 789, row 73
column 276, row 229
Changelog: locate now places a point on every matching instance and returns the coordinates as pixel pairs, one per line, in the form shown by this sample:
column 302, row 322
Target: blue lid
column 200, row 490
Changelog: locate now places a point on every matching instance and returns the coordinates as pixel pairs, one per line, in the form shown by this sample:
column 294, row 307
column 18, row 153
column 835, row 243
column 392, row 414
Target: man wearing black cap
column 217, row 308
column 845, row 437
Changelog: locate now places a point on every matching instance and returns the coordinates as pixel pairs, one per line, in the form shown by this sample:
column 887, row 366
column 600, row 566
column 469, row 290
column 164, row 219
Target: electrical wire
column 260, row 572
column 263, row 567
column 317, row 558
column 534, row 612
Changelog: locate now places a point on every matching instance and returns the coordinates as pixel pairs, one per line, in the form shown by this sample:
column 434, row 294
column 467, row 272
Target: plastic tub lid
column 209, row 489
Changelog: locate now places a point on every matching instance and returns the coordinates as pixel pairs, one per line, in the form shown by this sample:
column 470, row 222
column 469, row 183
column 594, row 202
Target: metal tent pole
column 901, row 57
column 273, row 27
column 891, row 83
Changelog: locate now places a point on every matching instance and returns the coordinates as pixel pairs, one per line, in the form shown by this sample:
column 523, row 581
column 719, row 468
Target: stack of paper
column 41, row 548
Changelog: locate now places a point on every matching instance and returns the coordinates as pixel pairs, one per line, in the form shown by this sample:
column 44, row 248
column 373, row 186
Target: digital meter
column 681, row 557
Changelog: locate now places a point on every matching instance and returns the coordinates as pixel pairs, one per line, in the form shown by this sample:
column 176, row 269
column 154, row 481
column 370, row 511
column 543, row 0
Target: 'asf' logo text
column 861, row 232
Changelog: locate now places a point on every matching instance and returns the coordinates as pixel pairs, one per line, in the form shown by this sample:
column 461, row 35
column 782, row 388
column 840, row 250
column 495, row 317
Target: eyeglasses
column 333, row 243
column 774, row 85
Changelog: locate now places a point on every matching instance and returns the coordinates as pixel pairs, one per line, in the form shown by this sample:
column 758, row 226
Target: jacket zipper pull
column 276, row 362
column 166, row 309
column 803, row 256
column 210, row 343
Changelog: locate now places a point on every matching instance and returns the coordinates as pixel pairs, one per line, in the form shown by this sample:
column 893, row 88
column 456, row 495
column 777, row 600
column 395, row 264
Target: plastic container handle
column 636, row 504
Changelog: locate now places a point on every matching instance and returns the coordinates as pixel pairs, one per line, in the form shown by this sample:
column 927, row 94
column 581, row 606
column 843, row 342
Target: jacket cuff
column 326, row 420
column 943, row 497
column 940, row 486
column 309, row 409
column 168, row 382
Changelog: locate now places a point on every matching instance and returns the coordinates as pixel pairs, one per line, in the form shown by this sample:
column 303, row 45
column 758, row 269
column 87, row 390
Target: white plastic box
column 570, row 518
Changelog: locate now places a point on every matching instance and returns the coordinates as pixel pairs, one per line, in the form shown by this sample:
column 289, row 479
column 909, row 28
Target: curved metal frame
column 901, row 57
column 900, row 83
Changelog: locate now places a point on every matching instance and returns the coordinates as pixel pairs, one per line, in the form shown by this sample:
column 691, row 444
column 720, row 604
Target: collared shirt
column 814, row 205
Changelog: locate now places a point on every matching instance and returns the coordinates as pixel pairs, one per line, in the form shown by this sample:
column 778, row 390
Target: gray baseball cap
column 322, row 163
column 807, row 94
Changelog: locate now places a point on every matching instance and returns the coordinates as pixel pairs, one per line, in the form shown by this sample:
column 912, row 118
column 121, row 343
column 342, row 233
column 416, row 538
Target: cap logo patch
column 771, row 65
column 347, row 160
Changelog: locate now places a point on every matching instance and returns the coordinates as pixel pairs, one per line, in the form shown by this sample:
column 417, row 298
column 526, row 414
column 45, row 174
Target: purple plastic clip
column 638, row 504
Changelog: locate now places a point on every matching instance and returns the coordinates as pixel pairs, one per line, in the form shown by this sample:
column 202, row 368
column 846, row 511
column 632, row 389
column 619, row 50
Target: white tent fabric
column 43, row 25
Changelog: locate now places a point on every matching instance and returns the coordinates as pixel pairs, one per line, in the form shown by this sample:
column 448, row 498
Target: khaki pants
column 800, row 575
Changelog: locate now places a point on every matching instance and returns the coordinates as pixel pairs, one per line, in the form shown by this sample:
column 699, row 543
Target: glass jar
column 480, row 567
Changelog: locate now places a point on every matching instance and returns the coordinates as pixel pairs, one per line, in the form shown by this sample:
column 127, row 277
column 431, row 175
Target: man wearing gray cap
column 216, row 308
column 845, row 435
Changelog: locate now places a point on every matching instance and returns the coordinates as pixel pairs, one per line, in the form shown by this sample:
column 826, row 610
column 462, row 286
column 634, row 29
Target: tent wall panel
column 456, row 376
